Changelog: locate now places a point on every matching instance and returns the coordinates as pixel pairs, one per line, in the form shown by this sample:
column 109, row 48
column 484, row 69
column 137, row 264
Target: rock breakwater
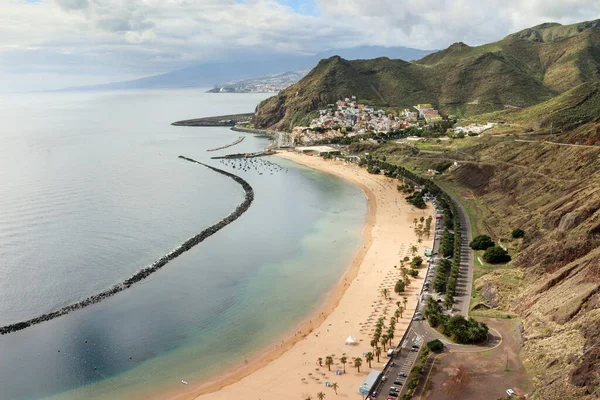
column 156, row 265
column 239, row 140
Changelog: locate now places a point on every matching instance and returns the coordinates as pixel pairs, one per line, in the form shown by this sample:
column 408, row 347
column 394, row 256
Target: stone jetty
column 239, row 140
column 156, row 265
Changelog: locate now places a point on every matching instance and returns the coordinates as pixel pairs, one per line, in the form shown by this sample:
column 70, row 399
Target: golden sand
column 289, row 370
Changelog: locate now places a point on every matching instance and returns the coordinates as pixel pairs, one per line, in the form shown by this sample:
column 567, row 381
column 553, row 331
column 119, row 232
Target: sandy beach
column 289, row 370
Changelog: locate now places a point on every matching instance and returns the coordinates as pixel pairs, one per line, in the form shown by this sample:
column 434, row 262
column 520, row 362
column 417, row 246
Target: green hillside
column 521, row 70
column 568, row 110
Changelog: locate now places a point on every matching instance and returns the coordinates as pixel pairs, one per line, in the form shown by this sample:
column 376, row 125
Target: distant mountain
column 523, row 69
column 247, row 65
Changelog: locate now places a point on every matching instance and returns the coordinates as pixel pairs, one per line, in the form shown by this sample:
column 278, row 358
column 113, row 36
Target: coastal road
column 464, row 284
column 403, row 360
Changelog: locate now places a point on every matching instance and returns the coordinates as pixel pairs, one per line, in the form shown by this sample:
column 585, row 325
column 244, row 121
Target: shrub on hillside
column 481, row 242
column 518, row 233
column 496, row 255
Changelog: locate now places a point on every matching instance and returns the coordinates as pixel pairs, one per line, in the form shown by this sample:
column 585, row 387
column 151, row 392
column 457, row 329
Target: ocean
column 92, row 190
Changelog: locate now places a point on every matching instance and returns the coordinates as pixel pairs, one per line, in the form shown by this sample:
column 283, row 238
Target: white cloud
column 118, row 38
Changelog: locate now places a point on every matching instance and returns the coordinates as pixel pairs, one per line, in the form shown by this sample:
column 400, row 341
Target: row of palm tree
column 344, row 360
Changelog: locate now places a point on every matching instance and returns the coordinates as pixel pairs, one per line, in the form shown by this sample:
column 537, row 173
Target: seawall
column 220, row 120
column 156, row 265
column 237, row 141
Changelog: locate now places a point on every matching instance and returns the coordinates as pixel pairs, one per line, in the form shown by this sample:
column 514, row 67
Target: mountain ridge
column 517, row 71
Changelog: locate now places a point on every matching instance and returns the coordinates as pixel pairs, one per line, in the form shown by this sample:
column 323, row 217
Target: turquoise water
column 93, row 191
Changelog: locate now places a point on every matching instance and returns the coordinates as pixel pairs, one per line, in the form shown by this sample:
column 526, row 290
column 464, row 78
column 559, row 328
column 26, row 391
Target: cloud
column 137, row 38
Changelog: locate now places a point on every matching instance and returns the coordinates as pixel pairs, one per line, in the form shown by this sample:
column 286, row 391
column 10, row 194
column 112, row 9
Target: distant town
column 264, row 84
column 348, row 118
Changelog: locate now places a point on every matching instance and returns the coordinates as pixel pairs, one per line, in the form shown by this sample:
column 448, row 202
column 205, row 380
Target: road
column 464, row 284
column 554, row 143
column 404, row 358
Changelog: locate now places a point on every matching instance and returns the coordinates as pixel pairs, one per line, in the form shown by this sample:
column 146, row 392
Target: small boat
column 184, row 382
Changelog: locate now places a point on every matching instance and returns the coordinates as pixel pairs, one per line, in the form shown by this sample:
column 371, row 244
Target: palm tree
column 420, row 240
column 373, row 343
column 384, row 340
column 400, row 310
column 398, row 303
column 308, row 398
column 335, row 387
column 369, row 358
column 397, row 314
column 320, row 361
column 320, row 395
column 328, row 361
column 358, row 363
column 422, row 219
column 344, row 360
column 415, row 221
column 377, row 352
column 404, row 300
column 414, row 249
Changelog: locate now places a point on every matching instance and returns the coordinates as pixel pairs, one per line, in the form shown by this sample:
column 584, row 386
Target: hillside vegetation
column 521, row 70
column 568, row 110
column 552, row 284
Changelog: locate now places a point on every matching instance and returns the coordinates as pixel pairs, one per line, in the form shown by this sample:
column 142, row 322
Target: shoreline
column 230, row 384
column 308, row 324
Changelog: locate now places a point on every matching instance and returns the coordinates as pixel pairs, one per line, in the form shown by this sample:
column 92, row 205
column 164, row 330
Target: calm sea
column 91, row 191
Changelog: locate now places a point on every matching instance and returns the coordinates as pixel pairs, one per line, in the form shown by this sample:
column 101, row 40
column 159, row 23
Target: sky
column 47, row 44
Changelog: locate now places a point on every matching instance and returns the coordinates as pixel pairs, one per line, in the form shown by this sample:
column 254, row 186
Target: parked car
column 510, row 392
column 403, row 374
column 399, row 383
column 394, row 389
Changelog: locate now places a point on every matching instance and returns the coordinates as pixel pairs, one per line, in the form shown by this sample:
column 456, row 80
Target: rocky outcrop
column 156, row 265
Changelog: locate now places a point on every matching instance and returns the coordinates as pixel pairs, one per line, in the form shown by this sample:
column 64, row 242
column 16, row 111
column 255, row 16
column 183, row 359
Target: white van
column 390, row 352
